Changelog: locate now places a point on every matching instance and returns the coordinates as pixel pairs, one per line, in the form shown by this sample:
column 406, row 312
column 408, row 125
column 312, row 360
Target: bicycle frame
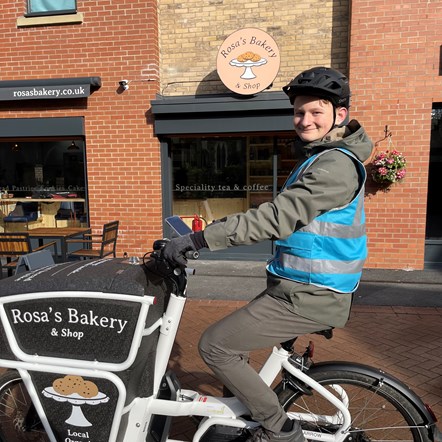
column 131, row 415
column 228, row 411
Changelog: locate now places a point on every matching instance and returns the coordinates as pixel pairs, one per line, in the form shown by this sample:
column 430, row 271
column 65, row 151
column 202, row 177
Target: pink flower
column 382, row 171
column 400, row 174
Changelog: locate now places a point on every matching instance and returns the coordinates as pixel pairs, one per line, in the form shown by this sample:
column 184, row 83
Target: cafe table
column 62, row 234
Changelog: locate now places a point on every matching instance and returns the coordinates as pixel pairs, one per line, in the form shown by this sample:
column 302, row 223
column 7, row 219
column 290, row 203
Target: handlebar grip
column 159, row 244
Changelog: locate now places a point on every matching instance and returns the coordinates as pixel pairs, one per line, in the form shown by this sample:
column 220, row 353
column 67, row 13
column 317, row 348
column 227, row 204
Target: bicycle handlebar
column 161, row 266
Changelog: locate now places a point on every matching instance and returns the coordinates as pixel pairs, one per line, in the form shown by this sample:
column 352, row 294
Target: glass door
column 433, row 241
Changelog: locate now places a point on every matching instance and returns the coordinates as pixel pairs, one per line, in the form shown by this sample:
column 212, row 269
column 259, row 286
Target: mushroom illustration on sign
column 248, row 60
column 76, row 391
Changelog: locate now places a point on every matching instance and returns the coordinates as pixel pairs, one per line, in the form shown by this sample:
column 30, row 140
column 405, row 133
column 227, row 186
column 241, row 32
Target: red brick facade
column 394, row 71
column 116, row 40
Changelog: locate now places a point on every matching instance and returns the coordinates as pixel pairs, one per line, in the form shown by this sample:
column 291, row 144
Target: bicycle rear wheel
column 19, row 422
column 378, row 411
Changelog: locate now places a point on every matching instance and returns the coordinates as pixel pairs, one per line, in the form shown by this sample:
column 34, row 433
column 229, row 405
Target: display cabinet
column 270, row 161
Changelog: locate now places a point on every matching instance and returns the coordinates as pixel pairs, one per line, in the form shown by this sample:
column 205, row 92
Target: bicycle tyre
column 379, row 412
column 17, row 412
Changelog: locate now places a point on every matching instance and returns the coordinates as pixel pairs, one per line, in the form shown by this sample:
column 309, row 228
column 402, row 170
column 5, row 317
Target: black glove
column 174, row 251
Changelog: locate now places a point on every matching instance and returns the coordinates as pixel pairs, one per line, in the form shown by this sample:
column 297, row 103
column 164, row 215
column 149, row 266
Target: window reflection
column 217, row 176
column 49, row 7
column 31, row 167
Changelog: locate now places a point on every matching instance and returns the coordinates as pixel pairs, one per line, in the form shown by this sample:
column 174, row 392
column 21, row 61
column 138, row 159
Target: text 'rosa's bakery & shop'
column 248, row 61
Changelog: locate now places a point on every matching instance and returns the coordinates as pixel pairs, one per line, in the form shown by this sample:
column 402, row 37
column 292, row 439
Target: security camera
column 124, row 84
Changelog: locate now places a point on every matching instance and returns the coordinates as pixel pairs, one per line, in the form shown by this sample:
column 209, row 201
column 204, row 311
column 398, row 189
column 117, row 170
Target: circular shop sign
column 248, row 61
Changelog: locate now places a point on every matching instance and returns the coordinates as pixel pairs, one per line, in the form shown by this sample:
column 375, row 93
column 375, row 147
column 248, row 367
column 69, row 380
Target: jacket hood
column 351, row 137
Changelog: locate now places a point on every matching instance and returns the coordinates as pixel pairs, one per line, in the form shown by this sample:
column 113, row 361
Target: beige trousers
column 264, row 322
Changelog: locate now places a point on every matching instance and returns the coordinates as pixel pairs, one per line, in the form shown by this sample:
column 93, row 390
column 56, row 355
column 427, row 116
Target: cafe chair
column 97, row 245
column 69, row 212
column 13, row 246
column 23, row 213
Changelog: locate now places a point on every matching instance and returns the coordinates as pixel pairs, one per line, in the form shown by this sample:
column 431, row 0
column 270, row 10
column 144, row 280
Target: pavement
column 243, row 280
column 395, row 325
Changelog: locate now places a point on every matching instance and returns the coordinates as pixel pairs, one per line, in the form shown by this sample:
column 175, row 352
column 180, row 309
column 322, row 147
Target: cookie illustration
column 71, row 384
column 248, row 56
column 61, row 387
column 88, row 389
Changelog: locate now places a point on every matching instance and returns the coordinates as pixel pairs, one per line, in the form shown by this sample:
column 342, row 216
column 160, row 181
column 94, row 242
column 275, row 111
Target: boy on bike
column 318, row 223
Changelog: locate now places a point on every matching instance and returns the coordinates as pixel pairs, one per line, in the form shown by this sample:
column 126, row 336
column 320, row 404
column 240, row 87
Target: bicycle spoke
column 378, row 413
column 15, row 410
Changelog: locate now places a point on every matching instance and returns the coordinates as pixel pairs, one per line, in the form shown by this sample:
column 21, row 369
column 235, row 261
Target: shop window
column 215, row 177
column 51, row 7
column 28, row 168
column 44, row 170
column 209, row 176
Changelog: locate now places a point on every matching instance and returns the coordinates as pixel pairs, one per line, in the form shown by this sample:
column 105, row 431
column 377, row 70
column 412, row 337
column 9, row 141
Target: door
column 433, row 237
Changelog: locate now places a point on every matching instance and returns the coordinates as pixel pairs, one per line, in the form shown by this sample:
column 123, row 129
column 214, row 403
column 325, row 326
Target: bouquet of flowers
column 388, row 167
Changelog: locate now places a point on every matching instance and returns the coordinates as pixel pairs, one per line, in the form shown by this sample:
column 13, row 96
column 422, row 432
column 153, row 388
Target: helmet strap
column 334, row 118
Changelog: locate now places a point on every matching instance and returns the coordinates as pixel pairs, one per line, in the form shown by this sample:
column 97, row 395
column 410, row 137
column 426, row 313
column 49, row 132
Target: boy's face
column 313, row 117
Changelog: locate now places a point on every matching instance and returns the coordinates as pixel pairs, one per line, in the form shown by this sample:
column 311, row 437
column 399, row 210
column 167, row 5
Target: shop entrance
column 213, row 177
column 433, row 237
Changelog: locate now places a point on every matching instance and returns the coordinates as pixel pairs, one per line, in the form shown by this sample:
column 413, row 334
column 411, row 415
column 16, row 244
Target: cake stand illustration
column 77, row 392
column 248, row 73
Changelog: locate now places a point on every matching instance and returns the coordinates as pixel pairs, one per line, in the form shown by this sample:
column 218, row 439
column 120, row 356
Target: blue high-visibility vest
column 331, row 250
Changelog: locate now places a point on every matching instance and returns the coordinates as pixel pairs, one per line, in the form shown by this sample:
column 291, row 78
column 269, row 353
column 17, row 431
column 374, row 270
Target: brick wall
column 116, row 40
column 311, row 32
column 394, row 71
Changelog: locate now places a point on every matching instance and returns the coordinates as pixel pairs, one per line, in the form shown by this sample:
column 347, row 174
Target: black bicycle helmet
column 321, row 82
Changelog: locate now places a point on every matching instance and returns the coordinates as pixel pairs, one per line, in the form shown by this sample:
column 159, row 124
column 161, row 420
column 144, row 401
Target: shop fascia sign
column 45, row 92
column 47, row 89
column 248, row 61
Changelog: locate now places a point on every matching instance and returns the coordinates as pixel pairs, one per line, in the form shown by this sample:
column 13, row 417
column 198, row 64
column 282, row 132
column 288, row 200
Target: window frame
column 49, row 13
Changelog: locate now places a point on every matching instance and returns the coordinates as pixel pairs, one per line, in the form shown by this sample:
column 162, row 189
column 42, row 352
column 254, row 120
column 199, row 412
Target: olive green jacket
column 330, row 182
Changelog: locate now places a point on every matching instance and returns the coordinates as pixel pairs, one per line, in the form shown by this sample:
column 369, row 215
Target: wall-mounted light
column 73, row 146
column 15, row 148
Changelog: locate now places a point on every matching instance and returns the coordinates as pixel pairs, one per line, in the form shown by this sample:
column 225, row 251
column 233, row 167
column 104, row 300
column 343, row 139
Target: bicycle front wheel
column 19, row 422
column 378, row 411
